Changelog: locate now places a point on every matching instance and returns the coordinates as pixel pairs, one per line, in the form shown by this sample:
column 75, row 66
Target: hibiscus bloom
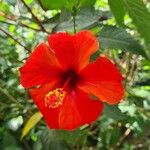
column 62, row 80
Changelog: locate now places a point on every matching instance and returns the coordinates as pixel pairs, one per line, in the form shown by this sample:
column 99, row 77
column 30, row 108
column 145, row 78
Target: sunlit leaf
column 68, row 4
column 51, row 4
column 140, row 16
column 28, row 1
column 117, row 10
column 35, row 118
column 4, row 7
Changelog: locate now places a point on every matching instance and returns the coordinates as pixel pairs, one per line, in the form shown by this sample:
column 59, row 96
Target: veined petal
column 40, row 68
column 78, row 109
column 102, row 79
column 73, row 51
column 90, row 109
column 69, row 117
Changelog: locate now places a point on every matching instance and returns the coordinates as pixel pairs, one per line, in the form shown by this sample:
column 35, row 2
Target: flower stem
column 74, row 13
column 74, row 24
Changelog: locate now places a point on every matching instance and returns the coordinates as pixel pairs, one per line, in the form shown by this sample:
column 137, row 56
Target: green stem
column 74, row 13
column 74, row 23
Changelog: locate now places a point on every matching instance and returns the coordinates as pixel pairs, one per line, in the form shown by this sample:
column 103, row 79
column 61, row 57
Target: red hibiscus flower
column 64, row 80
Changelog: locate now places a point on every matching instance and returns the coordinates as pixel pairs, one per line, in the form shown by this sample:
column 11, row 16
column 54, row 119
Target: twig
column 9, row 23
column 10, row 97
column 10, row 17
column 35, row 17
column 13, row 17
column 125, row 135
column 21, row 24
column 24, row 25
column 9, row 35
column 3, row 104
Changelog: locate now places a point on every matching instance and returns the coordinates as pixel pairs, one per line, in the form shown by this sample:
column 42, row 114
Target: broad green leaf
column 61, row 4
column 4, row 7
column 35, row 118
column 89, row 14
column 28, row 1
column 51, row 4
column 118, row 38
column 85, row 3
column 8, row 141
column 140, row 16
column 117, row 10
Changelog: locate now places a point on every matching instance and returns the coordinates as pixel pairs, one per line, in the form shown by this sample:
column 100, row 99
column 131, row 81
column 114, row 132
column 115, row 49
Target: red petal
column 89, row 109
column 78, row 109
column 41, row 67
column 50, row 115
column 73, row 51
column 69, row 117
column 103, row 79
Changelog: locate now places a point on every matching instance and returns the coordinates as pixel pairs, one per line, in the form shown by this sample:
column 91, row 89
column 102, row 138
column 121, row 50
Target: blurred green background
column 123, row 29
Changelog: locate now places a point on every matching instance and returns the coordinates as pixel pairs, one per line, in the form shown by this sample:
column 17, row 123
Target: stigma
column 55, row 98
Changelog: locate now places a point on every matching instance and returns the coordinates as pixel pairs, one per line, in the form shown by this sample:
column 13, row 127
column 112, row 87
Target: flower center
column 55, row 98
column 71, row 77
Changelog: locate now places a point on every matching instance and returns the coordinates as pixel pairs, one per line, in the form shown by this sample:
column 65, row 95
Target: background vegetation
column 123, row 28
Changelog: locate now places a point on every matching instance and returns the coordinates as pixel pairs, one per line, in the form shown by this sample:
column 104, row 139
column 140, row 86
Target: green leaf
column 4, row 7
column 113, row 112
column 118, row 38
column 117, row 10
column 140, row 16
column 76, row 137
column 8, row 138
column 50, row 140
column 85, row 3
column 61, row 4
column 35, row 118
column 51, row 4
column 89, row 14
column 28, row 1
column 115, row 136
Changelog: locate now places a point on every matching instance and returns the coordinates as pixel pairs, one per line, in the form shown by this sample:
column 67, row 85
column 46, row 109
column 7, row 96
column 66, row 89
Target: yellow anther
column 55, row 98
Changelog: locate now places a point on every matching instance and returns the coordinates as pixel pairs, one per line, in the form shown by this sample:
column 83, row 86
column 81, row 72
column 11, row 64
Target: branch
column 13, row 17
column 21, row 24
column 24, row 25
column 8, row 16
column 35, row 17
column 10, row 97
column 9, row 35
column 125, row 135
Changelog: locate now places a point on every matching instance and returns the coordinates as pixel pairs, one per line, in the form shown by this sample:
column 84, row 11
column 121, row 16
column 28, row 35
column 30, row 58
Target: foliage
column 123, row 29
